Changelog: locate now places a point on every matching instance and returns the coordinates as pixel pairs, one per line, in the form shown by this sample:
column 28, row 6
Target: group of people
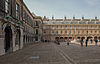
column 86, row 41
column 82, row 40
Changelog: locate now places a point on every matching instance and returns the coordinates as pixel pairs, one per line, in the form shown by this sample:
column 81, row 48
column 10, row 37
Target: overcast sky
column 69, row 8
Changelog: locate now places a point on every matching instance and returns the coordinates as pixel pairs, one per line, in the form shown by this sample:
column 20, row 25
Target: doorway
column 8, row 38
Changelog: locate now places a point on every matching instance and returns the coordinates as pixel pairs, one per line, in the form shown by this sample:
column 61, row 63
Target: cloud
column 93, row 2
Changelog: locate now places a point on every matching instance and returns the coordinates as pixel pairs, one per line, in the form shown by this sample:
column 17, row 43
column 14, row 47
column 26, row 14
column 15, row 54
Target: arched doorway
column 56, row 38
column 61, row 39
column 8, row 38
column 70, row 37
column 89, row 37
column 83, row 37
column 66, row 37
column 78, row 37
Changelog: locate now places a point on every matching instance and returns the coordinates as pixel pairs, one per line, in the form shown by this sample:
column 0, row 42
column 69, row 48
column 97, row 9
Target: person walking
column 96, row 41
column 81, row 42
column 68, row 41
column 86, row 42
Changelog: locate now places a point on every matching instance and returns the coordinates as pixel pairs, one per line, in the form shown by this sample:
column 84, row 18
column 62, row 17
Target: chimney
column 82, row 18
column 95, row 17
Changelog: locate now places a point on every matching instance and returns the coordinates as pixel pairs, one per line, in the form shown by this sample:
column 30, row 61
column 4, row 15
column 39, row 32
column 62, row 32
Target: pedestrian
column 91, row 41
column 86, row 42
column 96, row 41
column 68, row 41
column 81, row 42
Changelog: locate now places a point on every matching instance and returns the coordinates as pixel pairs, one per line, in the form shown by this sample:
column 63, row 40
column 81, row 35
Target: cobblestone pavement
column 81, row 55
column 51, row 53
column 44, row 53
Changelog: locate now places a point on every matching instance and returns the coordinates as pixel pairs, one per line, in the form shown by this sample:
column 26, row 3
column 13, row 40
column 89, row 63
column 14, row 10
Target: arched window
column 6, row 6
column 36, row 23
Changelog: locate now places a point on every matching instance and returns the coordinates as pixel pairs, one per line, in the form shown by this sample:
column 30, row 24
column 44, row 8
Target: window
column 87, row 32
column 95, row 26
column 95, row 31
column 78, row 32
column 23, row 13
column 36, row 32
column 17, row 11
column 61, row 32
column 91, row 26
column 69, row 26
column 44, row 31
column 61, row 26
column 69, row 32
column 6, row 6
column 1, row 4
column 65, row 31
column 57, row 26
column 56, row 32
column 65, row 26
column 52, row 31
column 83, row 31
column 91, row 31
column 36, row 23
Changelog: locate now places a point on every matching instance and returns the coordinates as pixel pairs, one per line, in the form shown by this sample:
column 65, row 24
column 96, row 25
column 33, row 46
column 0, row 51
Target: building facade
column 37, row 29
column 28, row 26
column 63, row 29
column 16, row 26
column 11, row 29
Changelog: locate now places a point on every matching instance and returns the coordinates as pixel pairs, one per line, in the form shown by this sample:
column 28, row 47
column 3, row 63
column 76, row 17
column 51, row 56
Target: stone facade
column 10, row 31
column 37, row 29
column 16, row 26
column 63, row 29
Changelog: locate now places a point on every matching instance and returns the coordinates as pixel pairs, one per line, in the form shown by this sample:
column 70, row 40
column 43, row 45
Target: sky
column 61, row 8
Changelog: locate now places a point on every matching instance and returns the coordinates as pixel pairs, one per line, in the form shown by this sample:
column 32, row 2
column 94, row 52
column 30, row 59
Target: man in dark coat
column 96, row 42
column 82, row 42
column 86, row 42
